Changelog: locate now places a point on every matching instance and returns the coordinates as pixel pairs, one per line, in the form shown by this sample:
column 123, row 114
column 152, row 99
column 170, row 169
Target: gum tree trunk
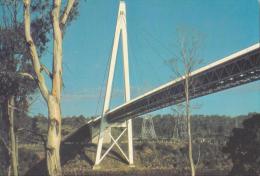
column 53, row 97
column 54, row 137
column 187, row 109
column 54, row 110
column 12, row 141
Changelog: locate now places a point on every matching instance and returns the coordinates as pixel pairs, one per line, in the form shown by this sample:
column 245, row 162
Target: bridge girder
column 238, row 69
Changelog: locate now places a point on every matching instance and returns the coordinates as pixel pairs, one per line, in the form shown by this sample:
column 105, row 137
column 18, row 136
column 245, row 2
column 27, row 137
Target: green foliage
column 14, row 56
column 14, row 53
column 15, row 61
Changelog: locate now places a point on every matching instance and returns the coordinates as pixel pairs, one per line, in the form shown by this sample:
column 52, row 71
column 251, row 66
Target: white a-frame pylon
column 120, row 29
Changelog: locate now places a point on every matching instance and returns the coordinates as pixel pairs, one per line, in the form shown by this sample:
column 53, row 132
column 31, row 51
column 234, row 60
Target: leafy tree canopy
column 15, row 64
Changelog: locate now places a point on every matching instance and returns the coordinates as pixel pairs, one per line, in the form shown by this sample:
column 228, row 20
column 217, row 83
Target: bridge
column 237, row 69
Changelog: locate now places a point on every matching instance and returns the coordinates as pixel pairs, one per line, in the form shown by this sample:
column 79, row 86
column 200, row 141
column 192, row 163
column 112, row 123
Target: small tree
column 52, row 97
column 182, row 65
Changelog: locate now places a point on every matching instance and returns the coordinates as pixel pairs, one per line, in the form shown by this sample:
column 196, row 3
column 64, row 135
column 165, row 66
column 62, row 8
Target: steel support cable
column 166, row 48
column 151, row 65
column 67, row 68
column 63, row 63
column 156, row 38
column 148, row 61
column 158, row 41
column 101, row 90
column 138, row 69
column 104, row 79
column 134, row 59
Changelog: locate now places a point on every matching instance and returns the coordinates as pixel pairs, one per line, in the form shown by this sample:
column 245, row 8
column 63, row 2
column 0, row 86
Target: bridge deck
column 237, row 69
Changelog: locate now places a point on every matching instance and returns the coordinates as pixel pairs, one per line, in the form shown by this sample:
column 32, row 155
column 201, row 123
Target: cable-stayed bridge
column 239, row 68
column 234, row 70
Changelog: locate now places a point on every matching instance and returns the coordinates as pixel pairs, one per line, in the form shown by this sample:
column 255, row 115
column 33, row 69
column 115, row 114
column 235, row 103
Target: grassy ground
column 157, row 158
column 150, row 159
column 142, row 172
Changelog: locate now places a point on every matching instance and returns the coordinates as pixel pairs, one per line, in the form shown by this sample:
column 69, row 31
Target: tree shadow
column 72, row 145
column 243, row 148
column 113, row 154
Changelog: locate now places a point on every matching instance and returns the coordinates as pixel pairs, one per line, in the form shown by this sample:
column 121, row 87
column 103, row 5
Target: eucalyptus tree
column 52, row 96
column 14, row 66
column 17, row 76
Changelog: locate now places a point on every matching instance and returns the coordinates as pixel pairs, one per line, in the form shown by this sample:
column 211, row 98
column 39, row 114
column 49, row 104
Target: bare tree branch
column 57, row 51
column 5, row 144
column 188, row 50
column 46, row 70
column 28, row 75
column 198, row 159
column 66, row 12
column 33, row 50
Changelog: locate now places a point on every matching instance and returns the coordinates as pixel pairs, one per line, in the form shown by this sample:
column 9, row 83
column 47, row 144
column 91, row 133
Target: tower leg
column 120, row 28
column 130, row 143
column 100, row 144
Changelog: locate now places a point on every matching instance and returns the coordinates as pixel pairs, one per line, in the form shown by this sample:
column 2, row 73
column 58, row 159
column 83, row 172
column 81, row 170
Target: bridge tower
column 105, row 127
column 180, row 127
column 148, row 131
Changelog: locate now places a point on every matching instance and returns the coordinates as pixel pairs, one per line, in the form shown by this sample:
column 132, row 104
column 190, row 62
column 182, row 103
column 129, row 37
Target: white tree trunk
column 52, row 98
column 187, row 107
column 13, row 149
column 54, row 137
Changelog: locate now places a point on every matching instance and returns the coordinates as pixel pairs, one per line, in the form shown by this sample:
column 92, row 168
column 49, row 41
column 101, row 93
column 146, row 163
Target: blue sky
column 226, row 26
